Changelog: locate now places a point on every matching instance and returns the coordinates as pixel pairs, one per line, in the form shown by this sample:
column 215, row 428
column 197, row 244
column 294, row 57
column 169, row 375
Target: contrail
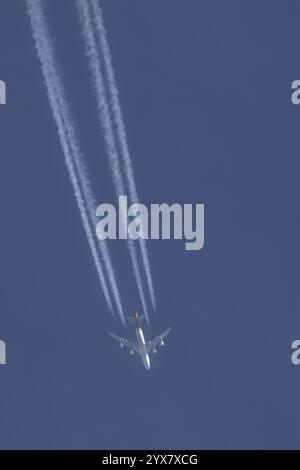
column 105, row 119
column 76, row 168
column 120, row 128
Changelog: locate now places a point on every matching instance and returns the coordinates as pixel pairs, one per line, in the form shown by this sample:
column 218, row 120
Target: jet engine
column 161, row 342
column 154, row 351
column 121, row 345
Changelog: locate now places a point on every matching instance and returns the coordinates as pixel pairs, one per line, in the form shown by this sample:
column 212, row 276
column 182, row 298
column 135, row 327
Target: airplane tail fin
column 136, row 319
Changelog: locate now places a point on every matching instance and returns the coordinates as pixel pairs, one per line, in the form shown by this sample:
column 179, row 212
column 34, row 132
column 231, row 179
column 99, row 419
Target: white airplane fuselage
column 142, row 346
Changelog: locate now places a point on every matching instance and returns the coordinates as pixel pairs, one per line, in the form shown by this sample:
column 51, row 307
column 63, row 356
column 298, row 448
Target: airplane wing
column 126, row 342
column 150, row 345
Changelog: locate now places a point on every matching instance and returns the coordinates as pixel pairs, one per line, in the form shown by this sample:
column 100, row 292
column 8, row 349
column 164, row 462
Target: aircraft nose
column 147, row 362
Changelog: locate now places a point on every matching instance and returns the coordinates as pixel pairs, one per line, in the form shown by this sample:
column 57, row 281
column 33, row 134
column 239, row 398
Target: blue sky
column 205, row 92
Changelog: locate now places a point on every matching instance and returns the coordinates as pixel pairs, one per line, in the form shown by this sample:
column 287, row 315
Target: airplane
column 142, row 347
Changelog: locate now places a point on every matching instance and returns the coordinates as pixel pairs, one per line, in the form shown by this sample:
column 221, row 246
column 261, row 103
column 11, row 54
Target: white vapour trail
column 120, row 130
column 105, row 119
column 77, row 171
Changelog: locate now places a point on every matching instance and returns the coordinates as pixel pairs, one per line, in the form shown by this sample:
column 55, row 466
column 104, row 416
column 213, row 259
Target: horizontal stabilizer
column 136, row 319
